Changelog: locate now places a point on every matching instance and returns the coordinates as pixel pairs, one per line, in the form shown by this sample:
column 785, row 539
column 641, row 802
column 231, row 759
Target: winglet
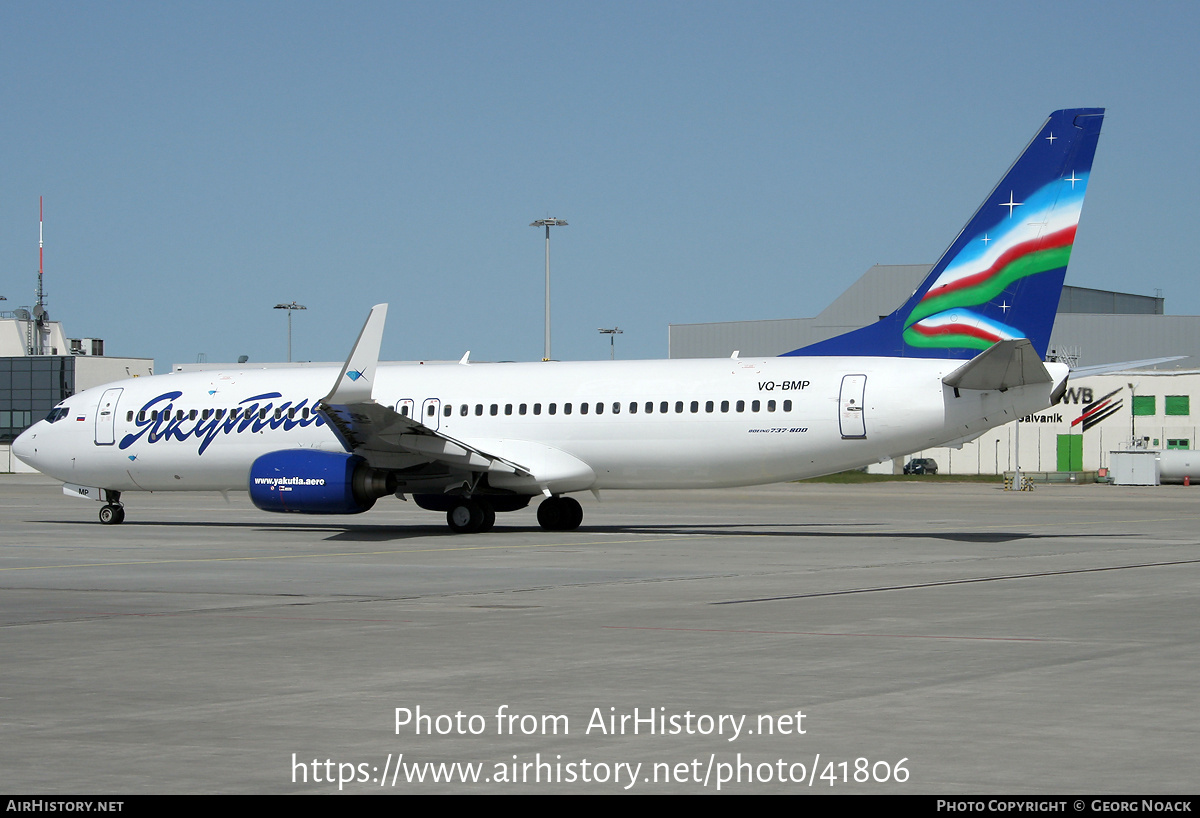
column 357, row 378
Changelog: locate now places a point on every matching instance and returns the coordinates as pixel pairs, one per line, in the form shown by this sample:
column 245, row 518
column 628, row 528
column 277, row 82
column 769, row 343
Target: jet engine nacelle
column 308, row 481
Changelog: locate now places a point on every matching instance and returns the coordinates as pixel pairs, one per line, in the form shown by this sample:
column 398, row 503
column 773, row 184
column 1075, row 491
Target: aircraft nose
column 25, row 446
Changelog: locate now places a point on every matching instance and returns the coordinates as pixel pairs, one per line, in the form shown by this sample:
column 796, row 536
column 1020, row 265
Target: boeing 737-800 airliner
column 962, row 355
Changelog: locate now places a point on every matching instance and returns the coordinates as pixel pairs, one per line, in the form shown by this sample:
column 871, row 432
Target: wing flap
column 366, row 428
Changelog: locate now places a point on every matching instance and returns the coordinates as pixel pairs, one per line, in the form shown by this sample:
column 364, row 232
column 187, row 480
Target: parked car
column 921, row 465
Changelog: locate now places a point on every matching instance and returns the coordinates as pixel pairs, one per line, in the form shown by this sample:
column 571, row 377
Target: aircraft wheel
column 112, row 515
column 560, row 514
column 489, row 517
column 467, row 517
column 574, row 513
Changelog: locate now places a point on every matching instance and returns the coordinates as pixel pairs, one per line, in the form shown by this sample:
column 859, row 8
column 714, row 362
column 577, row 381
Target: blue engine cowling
column 307, row 481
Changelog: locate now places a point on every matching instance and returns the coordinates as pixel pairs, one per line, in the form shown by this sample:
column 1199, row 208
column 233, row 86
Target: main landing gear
column 471, row 516
column 112, row 512
column 560, row 514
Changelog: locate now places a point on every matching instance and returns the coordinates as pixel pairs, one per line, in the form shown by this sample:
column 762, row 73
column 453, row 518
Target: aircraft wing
column 372, row 430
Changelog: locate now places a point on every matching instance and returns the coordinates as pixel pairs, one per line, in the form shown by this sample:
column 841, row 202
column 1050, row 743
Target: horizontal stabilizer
column 1104, row 369
column 1000, row 367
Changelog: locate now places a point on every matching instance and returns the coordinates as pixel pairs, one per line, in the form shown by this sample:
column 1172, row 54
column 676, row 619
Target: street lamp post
column 548, row 223
column 612, row 340
column 289, row 308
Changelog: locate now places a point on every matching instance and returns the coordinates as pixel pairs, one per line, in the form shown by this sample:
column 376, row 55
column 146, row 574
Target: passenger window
column 404, row 410
column 708, row 406
column 478, row 409
column 787, row 406
column 129, row 417
column 741, row 406
column 695, row 407
column 221, row 413
column 537, row 408
column 649, row 407
column 552, row 408
column 770, row 406
column 508, row 408
column 464, row 410
column 724, row 406
column 521, row 408
column 678, row 407
column 633, row 407
column 142, row 416
column 755, row 406
column 493, row 410
column 583, row 408
column 599, row 408
column 616, row 408
column 662, row 407
column 447, row 410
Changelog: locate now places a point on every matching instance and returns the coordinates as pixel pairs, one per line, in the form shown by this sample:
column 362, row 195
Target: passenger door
column 106, row 417
column 851, row 418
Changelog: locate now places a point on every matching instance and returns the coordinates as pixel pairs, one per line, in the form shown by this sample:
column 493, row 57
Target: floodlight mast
column 612, row 333
column 289, row 308
column 548, row 223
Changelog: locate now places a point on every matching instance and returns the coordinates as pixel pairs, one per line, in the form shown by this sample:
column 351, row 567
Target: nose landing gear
column 112, row 512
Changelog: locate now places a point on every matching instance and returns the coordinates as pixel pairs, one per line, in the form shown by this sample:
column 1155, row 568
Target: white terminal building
column 40, row 366
column 1147, row 408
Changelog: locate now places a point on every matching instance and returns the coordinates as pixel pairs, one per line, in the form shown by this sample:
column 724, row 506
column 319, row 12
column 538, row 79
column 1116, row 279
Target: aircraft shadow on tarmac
column 819, row 530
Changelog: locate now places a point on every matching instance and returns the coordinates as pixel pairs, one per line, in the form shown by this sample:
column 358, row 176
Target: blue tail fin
column 1002, row 276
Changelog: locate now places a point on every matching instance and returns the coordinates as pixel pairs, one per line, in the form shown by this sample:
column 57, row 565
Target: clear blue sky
column 716, row 161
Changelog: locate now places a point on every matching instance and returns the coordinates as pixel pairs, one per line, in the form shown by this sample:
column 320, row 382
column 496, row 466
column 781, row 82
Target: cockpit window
column 57, row 414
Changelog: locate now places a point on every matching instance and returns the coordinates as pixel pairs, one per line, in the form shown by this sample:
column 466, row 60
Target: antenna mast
column 39, row 311
column 39, row 291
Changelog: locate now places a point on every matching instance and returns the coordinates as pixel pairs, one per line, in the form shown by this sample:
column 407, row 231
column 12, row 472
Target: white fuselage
column 647, row 424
